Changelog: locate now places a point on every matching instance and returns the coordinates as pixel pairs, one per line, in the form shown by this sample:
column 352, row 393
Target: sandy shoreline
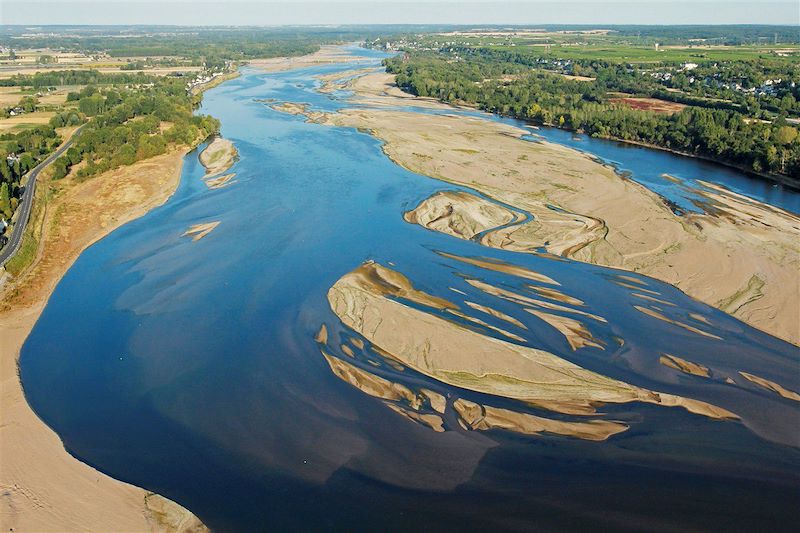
column 43, row 487
column 327, row 54
column 742, row 256
column 369, row 300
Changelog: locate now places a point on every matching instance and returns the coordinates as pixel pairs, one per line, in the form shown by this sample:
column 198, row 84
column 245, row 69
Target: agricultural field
column 662, row 54
column 655, row 105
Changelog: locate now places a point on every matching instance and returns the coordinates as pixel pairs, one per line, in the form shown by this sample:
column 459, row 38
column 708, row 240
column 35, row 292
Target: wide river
column 190, row 368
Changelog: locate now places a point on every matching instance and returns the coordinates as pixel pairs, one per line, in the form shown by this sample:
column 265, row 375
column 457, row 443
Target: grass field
column 28, row 120
column 609, row 47
column 635, row 54
column 10, row 96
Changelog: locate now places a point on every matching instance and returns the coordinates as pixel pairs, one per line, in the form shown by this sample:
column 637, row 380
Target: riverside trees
column 513, row 88
column 129, row 125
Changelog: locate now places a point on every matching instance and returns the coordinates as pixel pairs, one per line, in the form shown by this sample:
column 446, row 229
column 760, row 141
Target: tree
column 785, row 135
column 5, row 200
column 60, row 168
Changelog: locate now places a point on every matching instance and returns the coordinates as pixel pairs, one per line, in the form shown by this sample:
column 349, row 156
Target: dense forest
column 709, row 83
column 126, row 126
column 211, row 47
column 71, row 77
column 514, row 89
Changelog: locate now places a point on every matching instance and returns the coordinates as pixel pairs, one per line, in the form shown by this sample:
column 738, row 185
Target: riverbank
column 44, row 487
column 741, row 256
column 199, row 89
column 782, row 179
column 326, row 55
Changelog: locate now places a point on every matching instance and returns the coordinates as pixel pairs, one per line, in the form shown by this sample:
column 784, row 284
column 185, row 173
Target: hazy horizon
column 333, row 12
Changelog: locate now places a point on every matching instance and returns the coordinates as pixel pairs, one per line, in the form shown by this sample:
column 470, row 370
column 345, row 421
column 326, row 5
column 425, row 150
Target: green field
column 640, row 54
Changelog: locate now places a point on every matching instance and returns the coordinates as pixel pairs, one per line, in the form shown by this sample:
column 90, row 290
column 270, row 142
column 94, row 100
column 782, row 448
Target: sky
column 252, row 12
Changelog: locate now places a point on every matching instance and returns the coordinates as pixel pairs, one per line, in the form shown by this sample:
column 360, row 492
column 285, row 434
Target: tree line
column 511, row 89
column 123, row 124
column 128, row 125
column 19, row 153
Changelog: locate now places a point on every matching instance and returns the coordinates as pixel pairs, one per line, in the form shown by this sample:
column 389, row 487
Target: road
column 24, row 209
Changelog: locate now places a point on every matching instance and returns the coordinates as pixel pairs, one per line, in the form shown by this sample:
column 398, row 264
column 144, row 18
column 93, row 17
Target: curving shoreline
column 584, row 210
column 45, row 488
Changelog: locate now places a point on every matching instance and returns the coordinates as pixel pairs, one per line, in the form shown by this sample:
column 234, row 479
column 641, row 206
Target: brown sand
column 688, row 367
column 438, row 401
column 484, row 417
column 327, row 54
column 742, row 256
column 220, row 181
column 370, row 383
column 512, row 296
column 495, row 313
column 576, row 333
column 554, row 294
column 218, row 156
column 771, row 386
column 455, row 355
column 291, row 108
column 459, row 214
column 485, row 324
column 198, row 231
column 434, row 422
column 44, row 488
column 337, row 81
column 655, row 314
column 499, row 266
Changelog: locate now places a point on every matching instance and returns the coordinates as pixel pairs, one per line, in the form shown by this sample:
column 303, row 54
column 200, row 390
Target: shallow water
column 190, row 369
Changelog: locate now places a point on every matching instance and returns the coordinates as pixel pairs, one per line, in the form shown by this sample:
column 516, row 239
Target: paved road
column 24, row 209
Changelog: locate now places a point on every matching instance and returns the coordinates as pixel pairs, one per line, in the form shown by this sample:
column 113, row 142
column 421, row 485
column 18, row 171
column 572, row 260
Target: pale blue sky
column 237, row 12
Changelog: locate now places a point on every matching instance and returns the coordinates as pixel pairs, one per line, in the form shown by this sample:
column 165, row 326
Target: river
column 190, row 368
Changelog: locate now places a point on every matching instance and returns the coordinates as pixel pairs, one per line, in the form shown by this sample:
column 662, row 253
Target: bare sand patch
column 219, row 181
column 688, row 367
column 337, row 81
column 584, row 210
column 327, row 54
column 771, row 386
column 576, row 333
column 554, row 294
column 660, row 316
column 434, row 422
column 495, row 313
column 291, row 108
column 218, row 156
column 459, row 214
column 455, row 355
column 370, row 383
column 521, row 299
column 500, row 266
column 485, row 324
column 198, row 231
column 484, row 417
column 655, row 105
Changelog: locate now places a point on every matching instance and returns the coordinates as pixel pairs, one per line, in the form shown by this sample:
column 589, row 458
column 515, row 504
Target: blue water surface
column 190, row 369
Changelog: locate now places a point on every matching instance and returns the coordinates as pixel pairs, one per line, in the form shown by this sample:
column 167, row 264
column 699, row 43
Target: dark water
column 190, row 369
